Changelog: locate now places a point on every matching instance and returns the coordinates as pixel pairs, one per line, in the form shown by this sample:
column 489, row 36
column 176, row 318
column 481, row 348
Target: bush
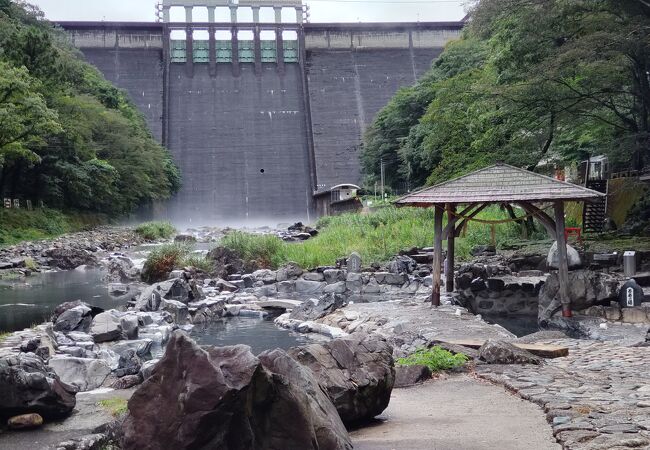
column 199, row 262
column 266, row 249
column 153, row 231
column 163, row 260
column 435, row 358
column 377, row 237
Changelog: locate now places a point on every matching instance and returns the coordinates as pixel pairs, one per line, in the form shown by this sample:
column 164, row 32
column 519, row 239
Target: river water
column 30, row 301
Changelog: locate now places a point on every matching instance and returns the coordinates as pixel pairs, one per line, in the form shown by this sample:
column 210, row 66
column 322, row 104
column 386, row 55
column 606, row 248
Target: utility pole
column 381, row 161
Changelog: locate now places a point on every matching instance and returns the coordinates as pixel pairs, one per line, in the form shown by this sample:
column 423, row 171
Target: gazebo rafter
column 497, row 184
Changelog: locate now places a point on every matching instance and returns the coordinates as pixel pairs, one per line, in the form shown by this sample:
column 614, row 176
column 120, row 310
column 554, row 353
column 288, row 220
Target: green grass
column 17, row 225
column 377, row 237
column 198, row 262
column 115, row 406
column 435, row 358
column 168, row 257
column 153, row 231
column 4, row 335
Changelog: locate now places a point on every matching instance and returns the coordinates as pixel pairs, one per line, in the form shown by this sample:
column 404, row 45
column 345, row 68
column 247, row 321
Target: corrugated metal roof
column 499, row 183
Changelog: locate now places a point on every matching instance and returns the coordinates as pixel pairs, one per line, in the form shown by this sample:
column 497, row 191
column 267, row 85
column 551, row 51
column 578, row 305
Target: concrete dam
column 260, row 117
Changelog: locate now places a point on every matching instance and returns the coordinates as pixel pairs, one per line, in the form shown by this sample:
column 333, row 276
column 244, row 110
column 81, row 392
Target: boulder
column 402, row 264
column 85, row 374
column 501, row 352
column 128, row 364
column 572, row 255
column 67, row 258
column 357, row 371
column 224, row 397
column 313, row 309
column 177, row 289
column 410, row 375
column 586, row 288
column 25, row 421
column 72, row 316
column 186, row 238
column 120, row 269
column 27, row 385
column 127, row 382
column 106, row 327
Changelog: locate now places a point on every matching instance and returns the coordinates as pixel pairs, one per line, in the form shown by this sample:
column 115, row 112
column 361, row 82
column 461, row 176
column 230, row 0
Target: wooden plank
column 437, row 255
column 543, row 350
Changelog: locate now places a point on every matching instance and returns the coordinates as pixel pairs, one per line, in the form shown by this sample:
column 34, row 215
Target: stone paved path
column 458, row 413
column 596, row 398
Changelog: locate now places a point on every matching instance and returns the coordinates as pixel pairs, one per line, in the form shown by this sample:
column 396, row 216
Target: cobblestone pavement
column 596, row 398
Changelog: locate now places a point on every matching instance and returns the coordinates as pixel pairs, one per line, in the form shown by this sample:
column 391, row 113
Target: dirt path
column 458, row 413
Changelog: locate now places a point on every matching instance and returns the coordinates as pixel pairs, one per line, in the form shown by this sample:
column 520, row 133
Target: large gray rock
column 226, row 398
column 357, row 371
column 313, row 309
column 106, row 327
column 85, row 374
column 501, row 352
column 572, row 255
column 586, row 288
column 410, row 375
column 177, row 289
column 76, row 318
column 27, row 385
column 402, row 264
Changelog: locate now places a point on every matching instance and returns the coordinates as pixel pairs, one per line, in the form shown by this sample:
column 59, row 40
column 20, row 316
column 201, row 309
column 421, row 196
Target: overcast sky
column 321, row 10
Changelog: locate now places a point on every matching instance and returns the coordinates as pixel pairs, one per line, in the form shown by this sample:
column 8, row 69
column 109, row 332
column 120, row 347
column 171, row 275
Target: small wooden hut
column 497, row 184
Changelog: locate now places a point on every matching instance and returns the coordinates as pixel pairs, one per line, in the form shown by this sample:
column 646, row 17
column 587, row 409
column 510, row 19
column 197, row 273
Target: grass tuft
column 168, row 257
column 153, row 231
column 435, row 358
column 117, row 407
column 377, row 237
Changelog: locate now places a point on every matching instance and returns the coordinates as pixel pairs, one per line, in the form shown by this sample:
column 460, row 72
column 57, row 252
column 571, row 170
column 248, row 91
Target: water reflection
column 30, row 301
column 260, row 334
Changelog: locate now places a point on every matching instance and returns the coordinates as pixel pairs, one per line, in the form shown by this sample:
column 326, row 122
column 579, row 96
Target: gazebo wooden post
column 437, row 254
column 563, row 265
column 449, row 268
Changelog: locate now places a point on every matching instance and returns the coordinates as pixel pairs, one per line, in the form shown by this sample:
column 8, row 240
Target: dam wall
column 259, row 125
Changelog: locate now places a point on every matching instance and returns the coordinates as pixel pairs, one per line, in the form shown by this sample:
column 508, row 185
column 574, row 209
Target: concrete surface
column 86, row 416
column 458, row 413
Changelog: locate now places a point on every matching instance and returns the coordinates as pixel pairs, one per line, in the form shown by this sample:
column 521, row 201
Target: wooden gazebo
column 497, row 184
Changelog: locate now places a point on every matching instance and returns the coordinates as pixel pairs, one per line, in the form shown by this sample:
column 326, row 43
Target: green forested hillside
column 529, row 80
column 67, row 136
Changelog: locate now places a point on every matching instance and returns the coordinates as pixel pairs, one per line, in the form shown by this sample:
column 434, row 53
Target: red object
column 577, row 232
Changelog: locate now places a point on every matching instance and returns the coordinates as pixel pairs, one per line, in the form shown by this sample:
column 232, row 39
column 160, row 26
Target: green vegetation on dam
column 68, row 137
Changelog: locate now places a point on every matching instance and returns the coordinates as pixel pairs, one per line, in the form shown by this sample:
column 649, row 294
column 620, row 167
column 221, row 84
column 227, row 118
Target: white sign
column 630, row 296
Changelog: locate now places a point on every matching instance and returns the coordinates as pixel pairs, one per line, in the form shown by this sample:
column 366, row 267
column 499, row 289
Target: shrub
column 435, row 358
column 152, row 231
column 198, row 262
column 266, row 249
column 163, row 260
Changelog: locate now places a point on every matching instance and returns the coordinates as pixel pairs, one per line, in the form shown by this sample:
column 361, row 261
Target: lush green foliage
column 377, row 237
column 167, row 257
column 435, row 358
column 530, row 81
column 21, row 225
column 156, row 230
column 67, row 136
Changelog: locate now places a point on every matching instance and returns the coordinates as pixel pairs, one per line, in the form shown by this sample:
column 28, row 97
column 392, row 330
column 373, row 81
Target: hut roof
column 498, row 183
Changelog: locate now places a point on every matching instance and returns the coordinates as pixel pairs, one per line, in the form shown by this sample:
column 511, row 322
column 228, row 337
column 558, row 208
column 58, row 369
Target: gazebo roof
column 498, row 183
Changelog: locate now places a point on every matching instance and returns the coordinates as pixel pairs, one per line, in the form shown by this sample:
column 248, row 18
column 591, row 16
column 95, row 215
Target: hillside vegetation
column 530, row 81
column 67, row 136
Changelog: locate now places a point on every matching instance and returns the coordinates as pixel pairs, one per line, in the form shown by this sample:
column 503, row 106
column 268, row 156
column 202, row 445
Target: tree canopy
column 67, row 136
column 530, row 80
